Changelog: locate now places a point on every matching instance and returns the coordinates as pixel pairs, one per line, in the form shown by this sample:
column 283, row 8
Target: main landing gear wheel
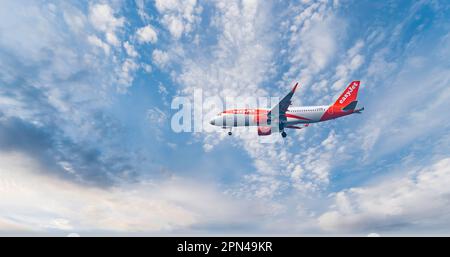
column 229, row 130
column 283, row 134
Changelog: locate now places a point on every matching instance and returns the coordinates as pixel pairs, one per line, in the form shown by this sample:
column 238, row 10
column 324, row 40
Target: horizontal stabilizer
column 351, row 106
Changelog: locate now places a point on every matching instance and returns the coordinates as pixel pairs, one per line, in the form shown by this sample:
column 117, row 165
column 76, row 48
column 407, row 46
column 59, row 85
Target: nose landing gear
column 283, row 134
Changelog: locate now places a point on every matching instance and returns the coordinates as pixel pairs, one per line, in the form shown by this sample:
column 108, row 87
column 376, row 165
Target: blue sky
column 85, row 109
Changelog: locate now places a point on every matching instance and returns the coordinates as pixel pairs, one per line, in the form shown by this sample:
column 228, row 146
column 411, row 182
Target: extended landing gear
column 281, row 127
column 229, row 132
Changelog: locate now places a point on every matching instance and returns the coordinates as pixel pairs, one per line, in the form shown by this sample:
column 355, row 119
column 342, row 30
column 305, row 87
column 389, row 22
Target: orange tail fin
column 349, row 95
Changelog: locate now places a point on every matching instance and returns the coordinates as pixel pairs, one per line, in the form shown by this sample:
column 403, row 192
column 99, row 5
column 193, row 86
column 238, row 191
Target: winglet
column 294, row 88
column 283, row 105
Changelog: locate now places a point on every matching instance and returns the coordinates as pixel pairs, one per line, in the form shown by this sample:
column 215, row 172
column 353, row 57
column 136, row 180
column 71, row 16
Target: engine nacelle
column 264, row 131
column 262, row 119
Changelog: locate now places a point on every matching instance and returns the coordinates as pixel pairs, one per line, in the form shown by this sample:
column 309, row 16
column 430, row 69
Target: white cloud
column 379, row 66
column 129, row 48
column 141, row 11
column 351, row 63
column 171, row 205
column 178, row 16
column 147, row 67
column 409, row 98
column 95, row 41
column 416, row 201
column 75, row 19
column 34, row 35
column 312, row 42
column 102, row 18
column 160, row 58
column 147, row 34
column 126, row 74
column 67, row 84
column 175, row 26
column 156, row 116
column 112, row 39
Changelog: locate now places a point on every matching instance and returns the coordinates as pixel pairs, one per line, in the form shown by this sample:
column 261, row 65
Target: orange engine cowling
column 264, row 131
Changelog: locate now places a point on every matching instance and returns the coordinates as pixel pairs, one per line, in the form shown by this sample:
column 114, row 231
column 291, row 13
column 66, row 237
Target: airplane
column 284, row 116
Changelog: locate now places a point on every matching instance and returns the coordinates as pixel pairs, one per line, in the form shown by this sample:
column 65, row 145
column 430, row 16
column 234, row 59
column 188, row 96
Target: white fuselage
column 256, row 117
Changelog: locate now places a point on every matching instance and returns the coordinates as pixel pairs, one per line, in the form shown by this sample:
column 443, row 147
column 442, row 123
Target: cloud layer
column 416, row 202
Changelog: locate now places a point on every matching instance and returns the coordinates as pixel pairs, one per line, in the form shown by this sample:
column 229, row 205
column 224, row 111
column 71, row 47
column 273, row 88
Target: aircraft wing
column 280, row 109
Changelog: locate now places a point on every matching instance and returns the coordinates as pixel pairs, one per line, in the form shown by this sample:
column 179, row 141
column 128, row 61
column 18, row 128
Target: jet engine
column 264, row 130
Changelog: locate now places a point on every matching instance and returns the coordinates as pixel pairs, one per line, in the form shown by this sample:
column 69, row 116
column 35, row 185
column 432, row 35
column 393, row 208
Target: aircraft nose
column 212, row 122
